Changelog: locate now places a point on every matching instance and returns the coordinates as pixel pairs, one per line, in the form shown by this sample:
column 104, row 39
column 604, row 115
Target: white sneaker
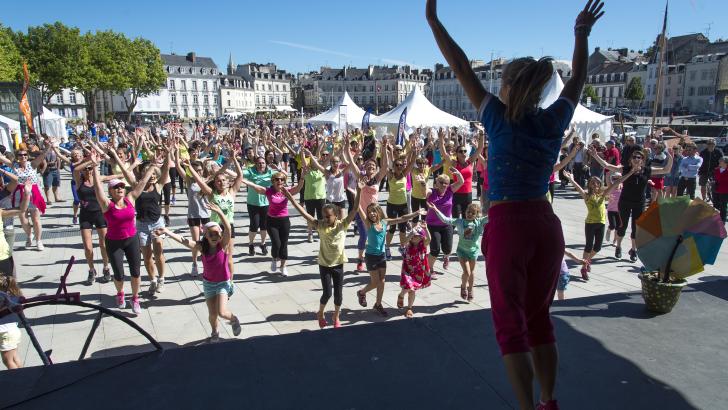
column 274, row 266
column 40, row 246
column 152, row 286
column 194, row 271
column 160, row 285
column 284, row 271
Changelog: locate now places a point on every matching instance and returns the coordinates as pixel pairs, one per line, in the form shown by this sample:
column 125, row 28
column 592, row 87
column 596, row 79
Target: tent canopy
column 354, row 114
column 586, row 121
column 7, row 128
column 285, row 108
column 420, row 113
column 52, row 124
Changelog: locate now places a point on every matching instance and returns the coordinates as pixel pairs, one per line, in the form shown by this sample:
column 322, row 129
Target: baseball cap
column 116, row 182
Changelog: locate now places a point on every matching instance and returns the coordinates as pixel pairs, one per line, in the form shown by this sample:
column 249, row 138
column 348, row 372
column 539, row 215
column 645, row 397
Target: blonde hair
column 443, row 178
column 474, row 208
column 526, row 79
column 378, row 209
column 9, row 286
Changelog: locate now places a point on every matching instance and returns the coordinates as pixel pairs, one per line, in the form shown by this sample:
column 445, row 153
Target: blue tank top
column 375, row 239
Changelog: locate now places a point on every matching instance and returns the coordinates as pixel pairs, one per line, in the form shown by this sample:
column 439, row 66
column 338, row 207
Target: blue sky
column 304, row 35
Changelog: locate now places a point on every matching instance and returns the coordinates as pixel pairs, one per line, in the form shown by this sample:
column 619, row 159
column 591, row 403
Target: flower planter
column 660, row 297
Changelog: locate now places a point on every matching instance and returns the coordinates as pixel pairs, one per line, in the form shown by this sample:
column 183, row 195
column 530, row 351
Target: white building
column 272, row 87
column 236, row 94
column 375, row 87
column 68, row 103
column 152, row 106
column 701, row 86
column 193, row 85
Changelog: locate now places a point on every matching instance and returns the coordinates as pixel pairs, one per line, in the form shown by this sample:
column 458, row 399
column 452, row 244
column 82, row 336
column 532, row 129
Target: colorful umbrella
column 682, row 234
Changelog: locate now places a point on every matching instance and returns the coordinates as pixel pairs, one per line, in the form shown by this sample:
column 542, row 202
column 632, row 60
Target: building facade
column 192, row 86
column 236, row 94
column 152, row 106
column 271, row 86
column 68, row 103
column 608, row 74
column 702, row 81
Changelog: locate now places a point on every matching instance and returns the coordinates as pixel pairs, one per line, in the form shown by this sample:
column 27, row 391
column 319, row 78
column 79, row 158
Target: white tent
column 420, row 113
column 7, row 128
column 285, row 108
column 586, row 121
column 353, row 114
column 53, row 124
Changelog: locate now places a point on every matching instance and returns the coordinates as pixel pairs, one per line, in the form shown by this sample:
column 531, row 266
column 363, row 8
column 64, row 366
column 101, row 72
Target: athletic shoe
column 284, row 271
column 166, row 220
column 194, row 271
column 152, row 287
column 29, row 242
column 251, row 249
column 360, row 266
column 135, row 306
column 160, row 285
column 633, row 255
column 75, row 220
column 236, row 326
column 387, row 254
column 214, row 337
column 273, row 266
column 41, row 248
column 173, row 200
column 618, row 252
column 310, row 238
column 120, row 301
column 264, row 249
column 107, row 275
column 91, row 277
column 337, row 324
column 549, row 405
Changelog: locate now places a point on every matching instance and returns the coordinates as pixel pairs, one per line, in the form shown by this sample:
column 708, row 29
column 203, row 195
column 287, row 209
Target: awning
column 285, row 108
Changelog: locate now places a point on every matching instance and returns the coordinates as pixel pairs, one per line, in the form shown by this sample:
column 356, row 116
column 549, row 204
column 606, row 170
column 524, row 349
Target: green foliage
column 634, row 91
column 10, row 63
column 589, row 91
column 143, row 71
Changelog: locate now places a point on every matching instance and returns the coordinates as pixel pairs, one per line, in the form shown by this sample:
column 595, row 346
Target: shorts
column 702, row 180
column 197, row 221
column 671, row 181
column 340, row 205
column 396, row 211
column 10, row 340
column 92, row 220
column 659, row 183
column 564, row 277
column 315, row 207
column 145, row 231
column 467, row 254
column 374, row 262
column 52, row 178
column 7, row 267
column 212, row 289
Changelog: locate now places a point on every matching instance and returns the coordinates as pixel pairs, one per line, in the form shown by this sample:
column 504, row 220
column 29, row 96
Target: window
column 194, row 85
column 277, row 87
column 204, row 86
column 72, row 97
column 371, row 99
column 228, row 103
column 257, row 99
column 62, row 112
column 173, row 98
column 59, row 98
column 667, row 92
column 195, row 100
column 285, row 100
column 704, row 75
column 206, row 99
column 74, row 113
column 171, row 85
column 184, row 98
column 691, row 90
column 270, row 87
column 692, row 75
column 669, row 80
column 184, row 87
column 197, row 112
column 649, row 88
column 214, row 99
column 278, row 99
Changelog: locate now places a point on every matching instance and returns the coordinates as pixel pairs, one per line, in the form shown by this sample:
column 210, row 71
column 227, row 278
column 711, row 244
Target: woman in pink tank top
column 217, row 281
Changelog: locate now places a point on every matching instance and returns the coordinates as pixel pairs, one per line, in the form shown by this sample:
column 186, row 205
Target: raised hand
column 590, row 14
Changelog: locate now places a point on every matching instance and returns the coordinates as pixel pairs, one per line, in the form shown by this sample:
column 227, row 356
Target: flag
column 309, row 126
column 24, row 105
column 402, row 125
column 365, row 121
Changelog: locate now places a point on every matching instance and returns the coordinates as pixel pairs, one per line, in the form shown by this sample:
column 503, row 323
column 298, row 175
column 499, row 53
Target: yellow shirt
column 596, row 211
column 397, row 191
column 418, row 189
column 331, row 243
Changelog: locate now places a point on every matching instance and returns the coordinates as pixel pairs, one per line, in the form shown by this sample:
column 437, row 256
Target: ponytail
column 526, row 79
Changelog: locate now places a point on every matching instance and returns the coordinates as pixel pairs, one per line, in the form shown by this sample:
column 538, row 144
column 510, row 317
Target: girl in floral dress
column 416, row 272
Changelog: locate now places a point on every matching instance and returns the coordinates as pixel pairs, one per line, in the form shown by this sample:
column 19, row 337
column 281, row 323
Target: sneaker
column 264, row 249
column 549, row 405
column 274, row 266
column 310, row 237
column 618, row 252
column 214, row 337
column 387, row 254
column 251, row 249
column 194, row 271
column 337, row 324
column 446, row 262
column 135, row 306
column 41, row 248
column 152, row 287
column 29, row 242
column 633, row 255
column 166, row 220
column 360, row 265
column 236, row 326
column 173, row 200
column 120, row 301
column 160, row 285
column 107, row 274
column 91, row 277
column 284, row 271
column 75, row 220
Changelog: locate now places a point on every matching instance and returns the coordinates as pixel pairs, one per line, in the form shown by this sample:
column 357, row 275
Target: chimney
column 191, row 56
column 596, row 50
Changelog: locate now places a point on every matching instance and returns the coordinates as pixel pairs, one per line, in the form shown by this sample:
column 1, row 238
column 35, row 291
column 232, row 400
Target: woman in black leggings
column 632, row 199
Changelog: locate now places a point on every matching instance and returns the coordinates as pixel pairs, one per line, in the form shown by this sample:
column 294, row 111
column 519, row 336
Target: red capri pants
column 523, row 246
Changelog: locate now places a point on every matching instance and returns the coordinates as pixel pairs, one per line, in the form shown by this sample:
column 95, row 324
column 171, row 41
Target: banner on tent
column 365, row 120
column 401, row 128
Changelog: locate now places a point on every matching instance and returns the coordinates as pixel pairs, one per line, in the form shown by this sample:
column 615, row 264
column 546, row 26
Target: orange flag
column 24, row 105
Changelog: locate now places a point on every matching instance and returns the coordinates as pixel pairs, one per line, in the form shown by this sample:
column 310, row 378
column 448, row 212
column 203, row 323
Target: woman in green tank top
column 397, row 201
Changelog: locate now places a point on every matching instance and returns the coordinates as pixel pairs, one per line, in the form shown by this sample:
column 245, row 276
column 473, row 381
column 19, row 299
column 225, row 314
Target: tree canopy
column 10, row 63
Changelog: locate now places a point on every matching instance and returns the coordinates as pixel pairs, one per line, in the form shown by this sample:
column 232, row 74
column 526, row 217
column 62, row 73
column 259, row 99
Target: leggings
column 417, row 204
column 627, row 209
column 258, row 217
column 117, row 249
column 594, row 237
column 329, row 274
column 720, row 202
column 441, row 239
column 173, row 177
column 614, row 221
column 166, row 193
column 278, row 230
column 460, row 203
column 362, row 244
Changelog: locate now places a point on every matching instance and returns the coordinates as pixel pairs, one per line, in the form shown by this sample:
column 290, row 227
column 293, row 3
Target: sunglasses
column 399, row 165
column 279, row 179
column 462, row 151
column 88, row 168
column 22, row 155
column 122, row 186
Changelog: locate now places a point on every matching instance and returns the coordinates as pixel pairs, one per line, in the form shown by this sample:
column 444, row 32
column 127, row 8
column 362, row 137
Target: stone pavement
column 266, row 304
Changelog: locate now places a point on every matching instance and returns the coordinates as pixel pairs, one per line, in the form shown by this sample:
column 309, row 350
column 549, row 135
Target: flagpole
column 662, row 57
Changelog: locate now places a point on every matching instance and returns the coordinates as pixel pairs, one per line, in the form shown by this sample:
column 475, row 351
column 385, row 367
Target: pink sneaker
column 135, row 306
column 120, row 301
column 549, row 405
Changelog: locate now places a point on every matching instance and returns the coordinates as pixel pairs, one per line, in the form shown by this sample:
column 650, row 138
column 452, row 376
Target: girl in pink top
column 279, row 225
column 613, row 207
column 216, row 278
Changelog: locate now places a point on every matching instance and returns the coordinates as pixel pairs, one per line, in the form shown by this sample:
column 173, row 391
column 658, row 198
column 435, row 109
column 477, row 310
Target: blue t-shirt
column 375, row 239
column 521, row 156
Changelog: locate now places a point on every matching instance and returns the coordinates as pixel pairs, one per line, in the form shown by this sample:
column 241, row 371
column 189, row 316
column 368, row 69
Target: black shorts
column 341, row 205
column 197, row 221
column 7, row 267
column 375, row 262
column 315, row 207
column 92, row 220
column 702, row 180
column 396, row 211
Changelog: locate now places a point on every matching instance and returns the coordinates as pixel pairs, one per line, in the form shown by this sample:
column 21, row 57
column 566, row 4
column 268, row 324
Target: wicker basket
column 660, row 297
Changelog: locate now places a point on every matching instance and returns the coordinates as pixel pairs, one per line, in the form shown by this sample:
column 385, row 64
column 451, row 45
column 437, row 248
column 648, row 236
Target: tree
column 10, row 63
column 143, row 71
column 589, row 91
column 634, row 91
column 51, row 51
column 100, row 65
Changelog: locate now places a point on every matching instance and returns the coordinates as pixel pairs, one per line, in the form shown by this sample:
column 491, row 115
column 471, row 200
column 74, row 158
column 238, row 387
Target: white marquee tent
column 585, row 121
column 420, row 113
column 7, row 128
column 353, row 116
column 53, row 124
